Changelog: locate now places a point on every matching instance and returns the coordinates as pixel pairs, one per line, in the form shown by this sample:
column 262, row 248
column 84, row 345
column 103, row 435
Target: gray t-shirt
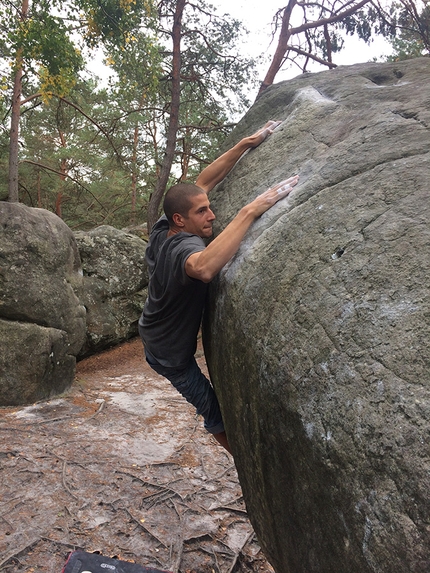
column 173, row 310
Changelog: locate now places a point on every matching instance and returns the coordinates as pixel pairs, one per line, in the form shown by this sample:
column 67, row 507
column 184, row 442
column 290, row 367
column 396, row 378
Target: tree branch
column 81, row 111
column 90, row 119
column 172, row 129
column 301, row 52
column 335, row 18
column 61, row 174
column 286, row 33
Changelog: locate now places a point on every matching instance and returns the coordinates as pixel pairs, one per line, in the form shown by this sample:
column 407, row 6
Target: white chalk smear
column 284, row 189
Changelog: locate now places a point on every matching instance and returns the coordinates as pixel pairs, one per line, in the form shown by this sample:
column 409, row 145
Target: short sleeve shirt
column 173, row 311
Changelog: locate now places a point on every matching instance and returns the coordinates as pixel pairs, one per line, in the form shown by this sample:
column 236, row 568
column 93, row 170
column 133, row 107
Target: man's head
column 187, row 209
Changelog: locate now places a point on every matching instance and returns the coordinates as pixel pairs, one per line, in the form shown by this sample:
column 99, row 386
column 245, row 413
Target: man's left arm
column 207, row 263
column 218, row 169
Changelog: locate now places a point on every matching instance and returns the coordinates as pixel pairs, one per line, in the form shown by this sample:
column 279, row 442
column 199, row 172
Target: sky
column 257, row 16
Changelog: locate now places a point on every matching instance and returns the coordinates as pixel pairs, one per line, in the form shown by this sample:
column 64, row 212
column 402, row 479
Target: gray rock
column 42, row 326
column 114, row 285
column 34, row 362
column 317, row 332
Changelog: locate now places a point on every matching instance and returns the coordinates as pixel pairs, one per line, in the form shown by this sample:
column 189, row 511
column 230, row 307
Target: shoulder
column 161, row 225
column 158, row 233
column 156, row 241
column 186, row 242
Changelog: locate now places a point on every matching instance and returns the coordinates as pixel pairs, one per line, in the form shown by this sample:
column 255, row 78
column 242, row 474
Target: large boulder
column 114, row 286
column 42, row 323
column 318, row 332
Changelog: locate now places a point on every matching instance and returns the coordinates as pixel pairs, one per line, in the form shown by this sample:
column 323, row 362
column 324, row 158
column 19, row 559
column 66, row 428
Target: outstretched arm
column 207, row 263
column 218, row 169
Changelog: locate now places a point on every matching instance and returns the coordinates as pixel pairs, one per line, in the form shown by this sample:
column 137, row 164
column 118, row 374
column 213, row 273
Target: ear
column 178, row 220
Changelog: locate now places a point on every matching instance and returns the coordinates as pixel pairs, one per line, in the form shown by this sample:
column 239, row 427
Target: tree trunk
column 13, row 194
column 14, row 135
column 281, row 48
column 134, row 176
column 134, row 169
column 287, row 32
column 39, row 191
column 63, row 170
column 154, row 203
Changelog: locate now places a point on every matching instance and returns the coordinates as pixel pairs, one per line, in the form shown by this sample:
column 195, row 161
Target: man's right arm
column 218, row 169
column 206, row 264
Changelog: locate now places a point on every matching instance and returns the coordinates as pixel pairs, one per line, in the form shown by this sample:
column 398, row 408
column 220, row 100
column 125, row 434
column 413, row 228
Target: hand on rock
column 259, row 136
column 284, row 187
column 267, row 199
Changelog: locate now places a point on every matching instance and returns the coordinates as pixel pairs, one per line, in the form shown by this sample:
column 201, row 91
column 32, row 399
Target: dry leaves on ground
column 120, row 465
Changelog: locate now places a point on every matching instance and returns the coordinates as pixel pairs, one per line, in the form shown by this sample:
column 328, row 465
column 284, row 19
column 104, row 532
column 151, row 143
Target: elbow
column 206, row 276
column 208, row 279
column 202, row 273
column 200, row 268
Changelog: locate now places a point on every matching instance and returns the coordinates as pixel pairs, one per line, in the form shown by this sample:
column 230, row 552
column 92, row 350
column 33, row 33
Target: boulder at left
column 114, row 286
column 42, row 322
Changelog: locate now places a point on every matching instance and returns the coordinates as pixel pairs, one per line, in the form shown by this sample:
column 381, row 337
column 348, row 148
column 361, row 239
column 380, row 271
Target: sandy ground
column 120, row 465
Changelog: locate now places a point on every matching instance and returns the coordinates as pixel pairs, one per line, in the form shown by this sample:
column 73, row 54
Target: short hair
column 177, row 199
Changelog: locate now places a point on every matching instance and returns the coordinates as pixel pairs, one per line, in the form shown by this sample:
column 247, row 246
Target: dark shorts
column 195, row 388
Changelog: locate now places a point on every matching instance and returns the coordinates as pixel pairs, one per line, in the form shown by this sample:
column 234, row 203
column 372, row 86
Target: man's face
column 200, row 217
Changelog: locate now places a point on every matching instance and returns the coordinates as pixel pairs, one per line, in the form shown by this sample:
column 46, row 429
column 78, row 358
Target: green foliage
column 114, row 20
column 51, row 37
column 411, row 36
column 405, row 49
column 70, row 163
column 405, row 24
column 42, row 44
column 211, row 60
column 4, row 155
column 91, row 154
column 365, row 23
column 45, row 39
column 138, row 64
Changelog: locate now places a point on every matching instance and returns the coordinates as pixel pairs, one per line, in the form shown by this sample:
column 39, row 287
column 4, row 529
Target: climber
column 180, row 266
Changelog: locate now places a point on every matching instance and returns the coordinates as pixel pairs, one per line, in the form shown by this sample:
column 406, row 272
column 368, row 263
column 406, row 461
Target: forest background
column 172, row 78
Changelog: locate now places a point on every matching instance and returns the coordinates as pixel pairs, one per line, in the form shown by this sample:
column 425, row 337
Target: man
column 180, row 267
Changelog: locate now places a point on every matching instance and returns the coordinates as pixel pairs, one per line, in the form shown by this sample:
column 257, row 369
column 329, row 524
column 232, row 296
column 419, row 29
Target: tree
column 74, row 158
column 134, row 109
column 129, row 130
column 410, row 23
column 34, row 35
column 175, row 113
column 318, row 35
column 16, row 105
column 40, row 39
column 204, row 76
column 309, row 31
column 173, row 122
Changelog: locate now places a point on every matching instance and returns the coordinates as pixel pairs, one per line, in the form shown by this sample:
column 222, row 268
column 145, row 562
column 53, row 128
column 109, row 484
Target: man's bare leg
column 221, row 438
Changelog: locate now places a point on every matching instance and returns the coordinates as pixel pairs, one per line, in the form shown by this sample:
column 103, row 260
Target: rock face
column 42, row 323
column 114, row 285
column 52, row 309
column 318, row 330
